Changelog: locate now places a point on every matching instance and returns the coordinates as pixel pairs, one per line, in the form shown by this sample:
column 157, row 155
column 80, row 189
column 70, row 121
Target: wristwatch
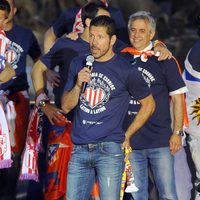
column 42, row 103
column 180, row 133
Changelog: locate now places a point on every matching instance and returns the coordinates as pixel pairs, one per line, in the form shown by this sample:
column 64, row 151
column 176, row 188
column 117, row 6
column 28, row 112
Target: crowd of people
column 116, row 90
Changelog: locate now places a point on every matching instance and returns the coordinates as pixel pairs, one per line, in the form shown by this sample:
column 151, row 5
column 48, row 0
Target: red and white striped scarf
column 78, row 25
column 3, row 42
column 5, row 148
column 29, row 170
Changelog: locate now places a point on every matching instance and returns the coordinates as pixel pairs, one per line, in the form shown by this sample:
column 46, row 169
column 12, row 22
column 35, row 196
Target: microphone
column 89, row 62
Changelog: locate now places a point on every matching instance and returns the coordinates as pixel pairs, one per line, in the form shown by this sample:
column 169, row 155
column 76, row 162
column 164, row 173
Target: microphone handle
column 85, row 83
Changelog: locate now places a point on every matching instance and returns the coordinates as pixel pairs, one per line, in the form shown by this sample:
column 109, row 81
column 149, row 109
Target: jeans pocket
column 112, row 148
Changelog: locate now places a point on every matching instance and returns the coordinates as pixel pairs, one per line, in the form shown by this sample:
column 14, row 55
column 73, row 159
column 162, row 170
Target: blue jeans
column 105, row 161
column 162, row 164
column 182, row 175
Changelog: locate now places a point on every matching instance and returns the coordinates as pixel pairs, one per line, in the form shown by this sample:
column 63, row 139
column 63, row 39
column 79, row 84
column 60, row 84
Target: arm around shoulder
column 49, row 39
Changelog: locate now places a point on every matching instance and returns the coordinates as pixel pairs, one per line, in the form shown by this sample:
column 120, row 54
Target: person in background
column 155, row 143
column 97, row 124
column 22, row 43
column 191, row 76
column 65, row 24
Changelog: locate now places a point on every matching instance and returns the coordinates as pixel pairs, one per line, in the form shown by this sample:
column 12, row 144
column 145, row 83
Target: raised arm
column 70, row 98
column 49, row 39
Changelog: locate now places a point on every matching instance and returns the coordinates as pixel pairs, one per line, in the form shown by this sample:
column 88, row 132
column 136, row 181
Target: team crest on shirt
column 97, row 94
column 13, row 53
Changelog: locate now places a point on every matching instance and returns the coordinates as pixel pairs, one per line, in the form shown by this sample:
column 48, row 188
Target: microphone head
column 89, row 60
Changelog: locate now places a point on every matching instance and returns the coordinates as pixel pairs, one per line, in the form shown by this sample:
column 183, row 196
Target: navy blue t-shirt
column 62, row 53
column 100, row 112
column 193, row 56
column 162, row 77
column 22, row 43
column 64, row 24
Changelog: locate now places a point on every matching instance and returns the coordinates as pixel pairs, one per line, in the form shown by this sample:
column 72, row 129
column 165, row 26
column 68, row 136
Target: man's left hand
column 164, row 53
column 175, row 143
column 126, row 144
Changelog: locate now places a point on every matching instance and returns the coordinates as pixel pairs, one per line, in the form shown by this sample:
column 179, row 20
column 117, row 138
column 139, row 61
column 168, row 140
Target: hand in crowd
column 175, row 143
column 72, row 36
column 53, row 78
column 53, row 113
column 164, row 53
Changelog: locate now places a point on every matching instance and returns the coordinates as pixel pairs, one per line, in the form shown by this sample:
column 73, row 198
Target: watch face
column 181, row 133
column 42, row 103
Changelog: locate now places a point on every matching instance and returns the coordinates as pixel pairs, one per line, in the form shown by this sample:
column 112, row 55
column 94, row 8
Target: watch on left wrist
column 180, row 133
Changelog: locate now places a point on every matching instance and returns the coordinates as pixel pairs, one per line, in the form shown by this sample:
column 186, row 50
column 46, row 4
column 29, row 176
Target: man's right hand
column 83, row 76
column 72, row 36
column 53, row 113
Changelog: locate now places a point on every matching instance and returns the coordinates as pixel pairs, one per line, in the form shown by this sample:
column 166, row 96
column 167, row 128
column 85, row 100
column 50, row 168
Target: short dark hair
column 90, row 10
column 5, row 6
column 107, row 22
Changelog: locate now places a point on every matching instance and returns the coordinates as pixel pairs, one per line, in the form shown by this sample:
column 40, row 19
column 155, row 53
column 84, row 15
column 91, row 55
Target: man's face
column 100, row 43
column 140, row 34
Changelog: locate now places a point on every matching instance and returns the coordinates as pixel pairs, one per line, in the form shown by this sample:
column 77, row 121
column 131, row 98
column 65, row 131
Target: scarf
column 128, row 183
column 11, row 116
column 142, row 54
column 29, row 170
column 5, row 148
column 78, row 25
